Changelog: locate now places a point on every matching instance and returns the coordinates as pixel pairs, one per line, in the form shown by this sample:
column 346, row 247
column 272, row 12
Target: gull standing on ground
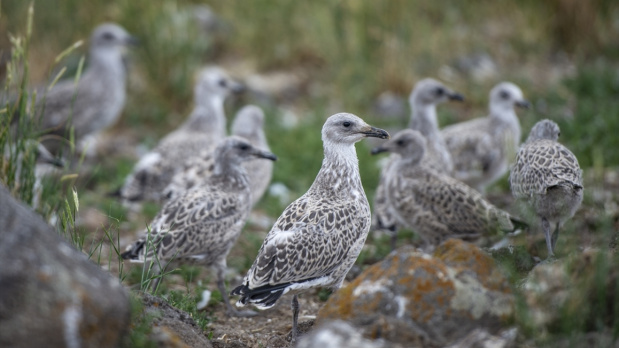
column 249, row 124
column 435, row 205
column 423, row 100
column 201, row 225
column 318, row 237
column 547, row 176
column 202, row 131
column 483, row 148
column 96, row 101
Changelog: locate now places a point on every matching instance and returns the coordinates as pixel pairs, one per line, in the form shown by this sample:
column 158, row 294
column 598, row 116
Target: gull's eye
column 222, row 83
column 244, row 147
column 401, row 142
column 504, row 95
column 108, row 36
column 346, row 124
column 440, row 91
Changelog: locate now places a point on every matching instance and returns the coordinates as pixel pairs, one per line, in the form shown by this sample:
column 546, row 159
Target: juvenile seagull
column 423, row 100
column 481, row 149
column 318, row 237
column 203, row 129
column 435, row 205
column 547, row 176
column 248, row 123
column 201, row 225
column 97, row 100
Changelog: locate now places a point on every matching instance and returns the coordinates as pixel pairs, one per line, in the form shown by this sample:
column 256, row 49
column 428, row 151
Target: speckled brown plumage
column 93, row 103
column 318, row 237
column 432, row 204
column 482, row 149
column 248, row 124
column 202, row 224
column 204, row 128
column 547, row 176
column 424, row 98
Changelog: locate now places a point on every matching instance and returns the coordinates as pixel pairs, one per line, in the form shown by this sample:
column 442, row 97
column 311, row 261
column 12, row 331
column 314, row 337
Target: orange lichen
column 464, row 256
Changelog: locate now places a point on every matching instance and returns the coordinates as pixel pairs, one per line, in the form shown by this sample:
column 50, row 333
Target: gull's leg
column 393, row 231
column 231, row 311
column 549, row 244
column 295, row 318
column 555, row 236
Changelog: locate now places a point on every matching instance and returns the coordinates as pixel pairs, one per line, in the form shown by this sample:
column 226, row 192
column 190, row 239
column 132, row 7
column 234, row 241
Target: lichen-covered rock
column 51, row 295
column 416, row 299
column 173, row 328
column 337, row 334
column 480, row 338
column 577, row 293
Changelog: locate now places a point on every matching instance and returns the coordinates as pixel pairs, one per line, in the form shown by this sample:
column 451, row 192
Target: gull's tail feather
column 263, row 297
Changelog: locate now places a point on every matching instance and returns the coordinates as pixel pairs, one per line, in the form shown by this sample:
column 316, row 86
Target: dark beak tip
column 239, row 88
column 268, row 155
column 525, row 104
column 133, row 41
column 457, row 97
column 377, row 150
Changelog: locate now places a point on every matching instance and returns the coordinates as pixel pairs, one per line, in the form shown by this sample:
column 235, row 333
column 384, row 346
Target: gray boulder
column 51, row 295
column 416, row 299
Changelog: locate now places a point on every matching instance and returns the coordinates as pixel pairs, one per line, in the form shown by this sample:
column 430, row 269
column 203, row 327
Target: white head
column 431, row 92
column 214, row 82
column 503, row 98
column 347, row 129
column 248, row 121
column 109, row 41
column 408, row 143
column 544, row 129
column 234, row 150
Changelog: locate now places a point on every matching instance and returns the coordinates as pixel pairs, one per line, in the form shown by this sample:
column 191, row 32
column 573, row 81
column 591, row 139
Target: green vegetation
column 346, row 53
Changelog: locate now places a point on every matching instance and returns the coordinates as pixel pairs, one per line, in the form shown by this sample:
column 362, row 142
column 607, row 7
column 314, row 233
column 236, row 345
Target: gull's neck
column 208, row 116
column 423, row 119
column 229, row 173
column 339, row 174
column 107, row 63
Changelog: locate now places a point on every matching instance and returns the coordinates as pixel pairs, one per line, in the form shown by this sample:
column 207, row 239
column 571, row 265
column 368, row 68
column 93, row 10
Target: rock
column 516, row 259
column 51, row 295
column 416, row 299
column 577, row 293
column 480, row 338
column 173, row 327
column 337, row 334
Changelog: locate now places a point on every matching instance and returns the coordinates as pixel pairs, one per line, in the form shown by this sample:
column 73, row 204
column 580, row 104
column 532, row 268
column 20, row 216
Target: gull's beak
column 132, row 41
column 44, row 156
column 57, row 162
column 523, row 103
column 265, row 154
column 379, row 149
column 456, row 96
column 237, row 87
column 375, row 133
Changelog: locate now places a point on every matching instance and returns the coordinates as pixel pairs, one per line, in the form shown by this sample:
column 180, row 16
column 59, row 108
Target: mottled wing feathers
column 194, row 172
column 383, row 217
column 155, row 170
column 472, row 150
column 306, row 242
column 195, row 222
column 445, row 204
column 541, row 165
